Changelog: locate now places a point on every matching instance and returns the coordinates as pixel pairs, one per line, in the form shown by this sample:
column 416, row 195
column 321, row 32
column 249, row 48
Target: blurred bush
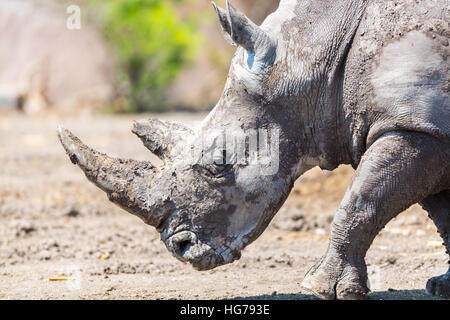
column 151, row 45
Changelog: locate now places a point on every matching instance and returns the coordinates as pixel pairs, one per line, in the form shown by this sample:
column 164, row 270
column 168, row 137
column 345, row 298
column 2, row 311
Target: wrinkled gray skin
column 354, row 82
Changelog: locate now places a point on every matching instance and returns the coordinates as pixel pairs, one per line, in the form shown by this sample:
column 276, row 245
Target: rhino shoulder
column 396, row 75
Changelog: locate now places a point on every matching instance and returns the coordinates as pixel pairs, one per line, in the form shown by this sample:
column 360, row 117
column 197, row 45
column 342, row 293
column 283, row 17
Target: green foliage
column 151, row 44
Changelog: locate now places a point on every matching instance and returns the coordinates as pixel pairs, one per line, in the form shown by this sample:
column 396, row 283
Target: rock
column 73, row 213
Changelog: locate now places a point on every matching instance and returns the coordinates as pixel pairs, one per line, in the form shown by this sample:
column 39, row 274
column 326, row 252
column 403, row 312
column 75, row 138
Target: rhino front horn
column 128, row 183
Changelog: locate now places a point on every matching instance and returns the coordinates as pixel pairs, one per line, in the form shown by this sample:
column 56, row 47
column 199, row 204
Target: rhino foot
column 439, row 286
column 330, row 279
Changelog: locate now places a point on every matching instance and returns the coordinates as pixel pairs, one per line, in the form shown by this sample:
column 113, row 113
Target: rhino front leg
column 438, row 207
column 398, row 170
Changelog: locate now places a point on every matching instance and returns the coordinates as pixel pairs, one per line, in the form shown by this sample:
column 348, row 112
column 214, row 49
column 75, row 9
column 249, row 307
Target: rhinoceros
column 324, row 83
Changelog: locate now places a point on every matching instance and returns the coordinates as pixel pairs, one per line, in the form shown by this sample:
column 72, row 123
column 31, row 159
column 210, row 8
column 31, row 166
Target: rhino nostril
column 184, row 246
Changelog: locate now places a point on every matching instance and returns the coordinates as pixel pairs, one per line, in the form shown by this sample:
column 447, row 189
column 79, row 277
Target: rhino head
column 221, row 184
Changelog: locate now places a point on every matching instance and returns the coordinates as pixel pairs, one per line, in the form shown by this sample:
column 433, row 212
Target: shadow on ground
column 278, row 296
column 390, row 294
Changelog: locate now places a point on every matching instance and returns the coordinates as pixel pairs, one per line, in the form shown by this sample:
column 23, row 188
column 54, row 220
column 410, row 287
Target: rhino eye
column 215, row 170
column 218, row 168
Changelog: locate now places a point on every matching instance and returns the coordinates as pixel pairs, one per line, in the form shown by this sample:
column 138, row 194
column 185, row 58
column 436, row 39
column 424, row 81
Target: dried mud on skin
column 60, row 238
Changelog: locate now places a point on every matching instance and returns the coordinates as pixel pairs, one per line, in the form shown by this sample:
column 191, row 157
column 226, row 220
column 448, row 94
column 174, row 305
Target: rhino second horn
column 165, row 139
column 127, row 182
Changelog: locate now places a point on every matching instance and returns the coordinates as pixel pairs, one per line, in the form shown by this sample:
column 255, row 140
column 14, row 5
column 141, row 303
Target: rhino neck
column 313, row 44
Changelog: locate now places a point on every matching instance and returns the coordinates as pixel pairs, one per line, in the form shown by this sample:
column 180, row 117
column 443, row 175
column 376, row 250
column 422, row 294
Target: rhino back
column 397, row 72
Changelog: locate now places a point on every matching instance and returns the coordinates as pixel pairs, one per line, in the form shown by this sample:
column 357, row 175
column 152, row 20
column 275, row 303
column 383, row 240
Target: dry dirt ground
column 55, row 225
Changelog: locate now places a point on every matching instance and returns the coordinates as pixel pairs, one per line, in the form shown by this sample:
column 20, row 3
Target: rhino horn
column 163, row 138
column 240, row 30
column 127, row 182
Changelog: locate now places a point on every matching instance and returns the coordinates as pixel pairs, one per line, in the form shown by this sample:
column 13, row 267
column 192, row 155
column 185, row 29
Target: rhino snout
column 186, row 247
column 181, row 244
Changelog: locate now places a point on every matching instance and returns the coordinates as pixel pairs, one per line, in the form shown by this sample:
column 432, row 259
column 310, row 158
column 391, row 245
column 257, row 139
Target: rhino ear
column 242, row 31
column 224, row 23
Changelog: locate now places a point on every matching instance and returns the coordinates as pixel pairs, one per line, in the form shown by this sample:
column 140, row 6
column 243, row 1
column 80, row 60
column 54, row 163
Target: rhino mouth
column 186, row 247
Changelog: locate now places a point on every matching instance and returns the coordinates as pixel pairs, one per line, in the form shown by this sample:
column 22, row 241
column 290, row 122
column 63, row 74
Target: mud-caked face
column 221, row 184
column 228, row 187
column 229, row 180
column 209, row 200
